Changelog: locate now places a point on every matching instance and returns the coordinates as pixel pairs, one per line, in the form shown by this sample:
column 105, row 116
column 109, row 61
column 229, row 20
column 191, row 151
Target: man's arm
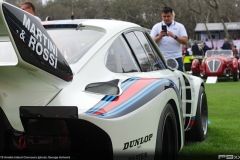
column 181, row 40
column 159, row 36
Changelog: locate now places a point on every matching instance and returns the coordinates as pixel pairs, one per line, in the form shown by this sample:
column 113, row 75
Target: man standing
column 205, row 48
column 226, row 45
column 170, row 42
column 196, row 50
column 29, row 7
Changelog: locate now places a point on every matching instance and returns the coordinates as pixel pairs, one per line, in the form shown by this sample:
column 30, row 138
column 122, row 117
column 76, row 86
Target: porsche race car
column 93, row 87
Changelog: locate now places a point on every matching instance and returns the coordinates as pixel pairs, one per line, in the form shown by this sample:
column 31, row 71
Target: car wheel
column 167, row 135
column 235, row 76
column 198, row 132
column 2, row 132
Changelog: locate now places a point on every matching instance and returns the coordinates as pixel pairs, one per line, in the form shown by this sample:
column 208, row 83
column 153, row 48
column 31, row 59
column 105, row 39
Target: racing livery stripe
column 135, row 96
column 134, row 89
column 107, row 99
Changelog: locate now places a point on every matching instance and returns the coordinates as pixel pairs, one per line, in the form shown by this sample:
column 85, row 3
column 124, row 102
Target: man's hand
column 171, row 34
column 160, row 35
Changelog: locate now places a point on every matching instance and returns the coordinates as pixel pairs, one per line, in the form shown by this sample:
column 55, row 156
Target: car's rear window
column 72, row 43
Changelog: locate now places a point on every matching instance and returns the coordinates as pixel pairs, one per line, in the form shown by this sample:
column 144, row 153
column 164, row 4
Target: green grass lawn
column 224, row 129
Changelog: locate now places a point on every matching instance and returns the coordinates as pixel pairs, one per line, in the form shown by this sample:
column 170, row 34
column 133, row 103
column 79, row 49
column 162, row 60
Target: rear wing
column 33, row 49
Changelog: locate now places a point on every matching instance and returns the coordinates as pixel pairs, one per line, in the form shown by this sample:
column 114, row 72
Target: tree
column 215, row 5
column 197, row 8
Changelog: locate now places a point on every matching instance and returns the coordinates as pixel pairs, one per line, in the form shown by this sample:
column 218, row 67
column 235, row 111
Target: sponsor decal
column 137, row 142
column 39, row 42
column 136, row 93
column 141, row 156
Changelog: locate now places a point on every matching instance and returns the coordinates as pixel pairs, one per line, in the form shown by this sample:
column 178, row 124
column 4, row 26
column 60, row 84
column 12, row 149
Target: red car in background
column 220, row 63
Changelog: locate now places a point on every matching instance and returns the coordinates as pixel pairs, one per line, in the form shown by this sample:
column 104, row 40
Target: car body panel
column 128, row 121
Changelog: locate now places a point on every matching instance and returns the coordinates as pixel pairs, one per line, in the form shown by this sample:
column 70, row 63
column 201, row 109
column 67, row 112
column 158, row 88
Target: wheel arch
column 196, row 84
column 174, row 106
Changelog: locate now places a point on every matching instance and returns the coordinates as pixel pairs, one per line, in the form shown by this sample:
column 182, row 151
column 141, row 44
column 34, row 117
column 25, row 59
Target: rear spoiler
column 34, row 49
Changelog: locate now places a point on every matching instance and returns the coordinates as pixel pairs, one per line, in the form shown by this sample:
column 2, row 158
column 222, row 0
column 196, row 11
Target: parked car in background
column 220, row 63
column 94, row 88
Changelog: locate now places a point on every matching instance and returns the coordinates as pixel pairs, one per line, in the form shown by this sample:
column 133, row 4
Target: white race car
column 93, row 87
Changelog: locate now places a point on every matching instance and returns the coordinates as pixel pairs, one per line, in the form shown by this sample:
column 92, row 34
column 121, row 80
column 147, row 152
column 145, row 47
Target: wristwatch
column 176, row 37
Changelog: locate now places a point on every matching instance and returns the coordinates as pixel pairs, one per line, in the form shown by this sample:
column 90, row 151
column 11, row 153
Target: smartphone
column 164, row 28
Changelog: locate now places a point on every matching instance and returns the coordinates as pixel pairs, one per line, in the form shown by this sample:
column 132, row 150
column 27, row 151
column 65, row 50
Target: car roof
column 103, row 23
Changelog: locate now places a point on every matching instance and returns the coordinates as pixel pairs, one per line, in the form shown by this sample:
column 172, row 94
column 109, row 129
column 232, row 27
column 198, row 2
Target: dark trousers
column 180, row 63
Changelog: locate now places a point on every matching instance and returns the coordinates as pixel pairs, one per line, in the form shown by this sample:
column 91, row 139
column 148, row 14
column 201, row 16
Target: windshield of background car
column 72, row 43
column 215, row 53
column 8, row 56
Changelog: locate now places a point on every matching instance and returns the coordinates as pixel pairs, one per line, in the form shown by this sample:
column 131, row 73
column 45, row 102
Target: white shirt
column 169, row 47
column 189, row 51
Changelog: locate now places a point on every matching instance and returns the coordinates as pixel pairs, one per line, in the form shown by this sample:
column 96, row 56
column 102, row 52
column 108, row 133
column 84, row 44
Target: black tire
column 235, row 76
column 167, row 135
column 198, row 132
column 2, row 132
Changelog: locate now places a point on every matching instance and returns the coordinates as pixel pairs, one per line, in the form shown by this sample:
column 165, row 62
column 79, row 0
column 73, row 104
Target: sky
column 43, row 1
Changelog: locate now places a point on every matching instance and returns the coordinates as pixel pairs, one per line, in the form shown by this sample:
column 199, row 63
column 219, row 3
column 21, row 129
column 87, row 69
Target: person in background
column 29, row 7
column 226, row 45
column 205, row 48
column 187, row 60
column 189, row 50
column 170, row 42
column 235, row 52
column 196, row 50
column 185, row 52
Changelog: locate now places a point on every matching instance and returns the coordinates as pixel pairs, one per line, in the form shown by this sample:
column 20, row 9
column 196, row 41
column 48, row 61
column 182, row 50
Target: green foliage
column 142, row 12
column 223, row 134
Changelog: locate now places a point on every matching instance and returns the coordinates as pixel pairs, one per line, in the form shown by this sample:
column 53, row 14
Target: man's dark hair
column 29, row 5
column 167, row 10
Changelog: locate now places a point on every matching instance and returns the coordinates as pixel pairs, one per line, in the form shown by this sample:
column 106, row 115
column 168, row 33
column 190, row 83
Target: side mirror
column 105, row 88
column 172, row 64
